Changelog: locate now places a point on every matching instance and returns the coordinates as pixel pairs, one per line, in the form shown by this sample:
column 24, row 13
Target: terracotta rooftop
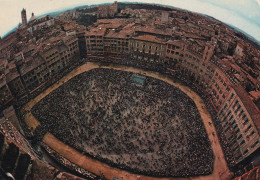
column 175, row 42
column 180, row 21
column 253, row 80
column 236, row 67
column 239, row 77
column 149, row 38
column 193, row 36
column 112, row 23
column 113, row 34
column 225, row 64
column 98, row 31
column 153, row 30
column 209, row 28
column 255, row 94
column 240, row 44
column 127, row 31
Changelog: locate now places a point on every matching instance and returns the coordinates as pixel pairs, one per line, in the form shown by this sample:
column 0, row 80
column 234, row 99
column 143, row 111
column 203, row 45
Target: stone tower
column 24, row 18
column 165, row 17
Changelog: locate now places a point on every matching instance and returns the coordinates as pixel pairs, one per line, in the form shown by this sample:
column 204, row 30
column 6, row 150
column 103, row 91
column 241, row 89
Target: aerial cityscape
column 128, row 91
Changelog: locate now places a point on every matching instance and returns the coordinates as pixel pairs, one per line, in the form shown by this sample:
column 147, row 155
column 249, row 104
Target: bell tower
column 24, row 18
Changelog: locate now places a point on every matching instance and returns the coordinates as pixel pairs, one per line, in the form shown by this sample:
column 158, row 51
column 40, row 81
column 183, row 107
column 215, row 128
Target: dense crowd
column 72, row 167
column 184, row 79
column 217, row 122
column 151, row 128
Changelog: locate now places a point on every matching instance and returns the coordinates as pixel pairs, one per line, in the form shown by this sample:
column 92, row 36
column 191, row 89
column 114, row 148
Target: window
column 239, row 137
column 255, row 144
column 246, row 151
column 252, row 133
column 236, row 147
column 226, row 130
column 246, row 121
column 243, row 142
column 225, row 106
column 242, row 113
column 245, row 131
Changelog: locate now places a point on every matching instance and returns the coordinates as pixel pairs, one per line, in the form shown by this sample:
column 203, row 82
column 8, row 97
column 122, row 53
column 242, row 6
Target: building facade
column 224, row 67
column 106, row 11
column 196, row 58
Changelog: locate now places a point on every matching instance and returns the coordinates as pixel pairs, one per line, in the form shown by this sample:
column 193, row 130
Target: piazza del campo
column 129, row 91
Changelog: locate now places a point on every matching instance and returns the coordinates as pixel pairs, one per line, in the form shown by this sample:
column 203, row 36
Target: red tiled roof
column 236, row 67
column 114, row 34
column 253, row 80
column 175, row 42
column 98, row 31
column 255, row 94
column 154, row 30
column 149, row 38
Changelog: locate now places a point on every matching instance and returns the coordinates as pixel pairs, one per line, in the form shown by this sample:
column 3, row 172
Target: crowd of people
column 217, row 122
column 184, row 79
column 71, row 166
column 152, row 128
